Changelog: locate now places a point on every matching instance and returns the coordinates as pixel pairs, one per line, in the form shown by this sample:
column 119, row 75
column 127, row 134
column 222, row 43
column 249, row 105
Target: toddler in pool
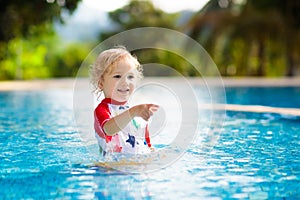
column 118, row 126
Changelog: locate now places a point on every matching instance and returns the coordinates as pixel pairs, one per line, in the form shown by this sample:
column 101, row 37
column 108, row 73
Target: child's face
column 120, row 82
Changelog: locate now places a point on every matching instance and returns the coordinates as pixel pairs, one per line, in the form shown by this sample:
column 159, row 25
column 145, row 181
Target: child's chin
column 122, row 99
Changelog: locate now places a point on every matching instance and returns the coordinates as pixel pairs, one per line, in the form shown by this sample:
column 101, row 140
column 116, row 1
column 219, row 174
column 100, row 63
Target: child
column 117, row 126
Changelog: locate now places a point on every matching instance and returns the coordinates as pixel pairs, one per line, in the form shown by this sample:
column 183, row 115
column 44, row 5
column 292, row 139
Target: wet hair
column 106, row 60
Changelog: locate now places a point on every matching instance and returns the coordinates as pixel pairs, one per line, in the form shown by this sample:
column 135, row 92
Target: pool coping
column 68, row 83
column 251, row 108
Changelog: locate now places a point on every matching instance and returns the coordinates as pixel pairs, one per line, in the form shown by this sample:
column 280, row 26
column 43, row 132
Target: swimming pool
column 42, row 156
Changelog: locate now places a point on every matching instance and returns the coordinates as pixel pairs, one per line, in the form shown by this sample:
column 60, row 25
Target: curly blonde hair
column 106, row 60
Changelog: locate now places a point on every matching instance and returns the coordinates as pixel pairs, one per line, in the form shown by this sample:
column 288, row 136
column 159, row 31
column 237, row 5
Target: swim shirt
column 133, row 139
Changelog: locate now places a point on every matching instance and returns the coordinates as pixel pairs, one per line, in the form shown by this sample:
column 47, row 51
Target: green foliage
column 25, row 58
column 144, row 14
column 250, row 37
column 41, row 55
column 17, row 17
column 66, row 62
column 28, row 44
column 170, row 63
column 138, row 14
column 245, row 37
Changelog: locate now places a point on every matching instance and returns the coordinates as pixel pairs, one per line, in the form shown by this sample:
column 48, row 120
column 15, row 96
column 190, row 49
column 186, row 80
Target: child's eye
column 130, row 77
column 117, row 76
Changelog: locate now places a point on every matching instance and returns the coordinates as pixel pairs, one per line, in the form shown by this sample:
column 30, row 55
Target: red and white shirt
column 133, row 139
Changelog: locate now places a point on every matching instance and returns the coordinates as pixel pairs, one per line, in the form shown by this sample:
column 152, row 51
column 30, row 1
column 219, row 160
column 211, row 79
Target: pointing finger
column 153, row 107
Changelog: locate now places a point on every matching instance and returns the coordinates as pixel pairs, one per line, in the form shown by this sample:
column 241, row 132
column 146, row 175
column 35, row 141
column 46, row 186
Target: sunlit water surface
column 42, row 157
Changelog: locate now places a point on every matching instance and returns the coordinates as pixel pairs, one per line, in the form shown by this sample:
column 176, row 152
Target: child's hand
column 144, row 111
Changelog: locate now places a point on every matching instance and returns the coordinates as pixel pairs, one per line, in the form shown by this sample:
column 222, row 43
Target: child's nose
column 124, row 81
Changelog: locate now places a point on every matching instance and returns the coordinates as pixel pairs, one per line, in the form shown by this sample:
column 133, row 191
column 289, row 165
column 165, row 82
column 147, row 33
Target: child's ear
column 100, row 84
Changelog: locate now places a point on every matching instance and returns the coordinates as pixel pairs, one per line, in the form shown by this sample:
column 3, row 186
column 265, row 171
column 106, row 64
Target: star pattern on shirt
column 123, row 107
column 131, row 140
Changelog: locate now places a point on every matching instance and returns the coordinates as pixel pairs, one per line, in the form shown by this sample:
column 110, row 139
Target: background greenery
column 244, row 37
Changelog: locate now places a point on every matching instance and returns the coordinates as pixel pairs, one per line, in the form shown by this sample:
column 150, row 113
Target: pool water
column 286, row 97
column 42, row 156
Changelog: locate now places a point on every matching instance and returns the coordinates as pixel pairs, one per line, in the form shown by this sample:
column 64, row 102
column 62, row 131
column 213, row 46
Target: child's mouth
column 124, row 91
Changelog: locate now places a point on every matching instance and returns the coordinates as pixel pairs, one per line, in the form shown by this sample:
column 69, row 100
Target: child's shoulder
column 102, row 106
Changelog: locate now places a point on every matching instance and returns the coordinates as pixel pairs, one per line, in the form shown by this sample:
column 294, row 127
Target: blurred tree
column 256, row 31
column 290, row 18
column 65, row 62
column 18, row 16
column 25, row 58
column 27, row 37
column 144, row 14
column 138, row 14
column 41, row 55
column 243, row 37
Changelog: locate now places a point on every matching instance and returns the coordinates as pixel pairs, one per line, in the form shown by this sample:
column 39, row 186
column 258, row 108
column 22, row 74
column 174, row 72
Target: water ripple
column 255, row 157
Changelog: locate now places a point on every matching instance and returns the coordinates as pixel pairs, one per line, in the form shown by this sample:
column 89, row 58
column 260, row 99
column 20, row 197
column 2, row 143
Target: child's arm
column 117, row 123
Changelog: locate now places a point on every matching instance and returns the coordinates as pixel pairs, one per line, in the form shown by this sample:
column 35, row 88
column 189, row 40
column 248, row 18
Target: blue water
column 267, row 96
column 42, row 156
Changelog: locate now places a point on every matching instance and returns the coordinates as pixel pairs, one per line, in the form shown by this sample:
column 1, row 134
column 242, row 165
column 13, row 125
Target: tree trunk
column 290, row 62
column 261, row 59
